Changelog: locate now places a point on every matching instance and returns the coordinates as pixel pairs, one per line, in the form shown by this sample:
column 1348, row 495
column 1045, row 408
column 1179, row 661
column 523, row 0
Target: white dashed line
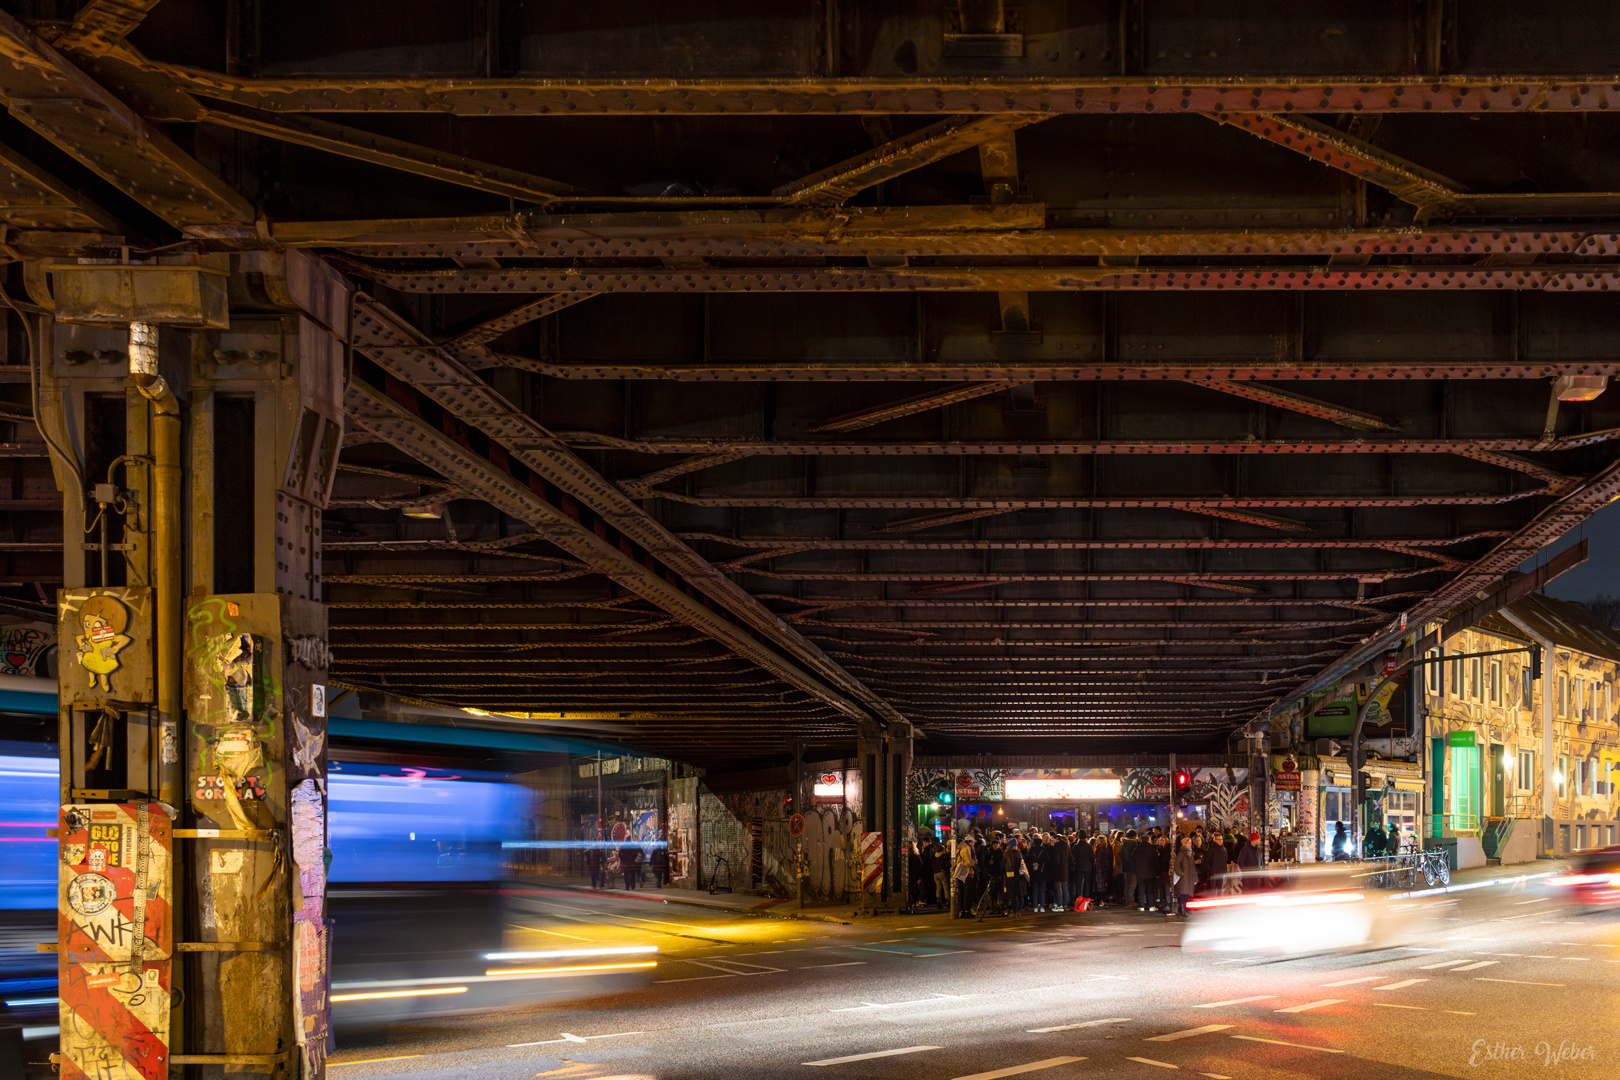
column 1014, row 1070
column 1150, row 1061
column 1235, row 1001
column 1477, row 965
column 1279, row 1042
column 874, row 1054
column 1404, row 983
column 1520, row 982
column 1311, row 1005
column 1442, row 964
column 1371, row 978
column 1189, row 1033
column 1086, row 1024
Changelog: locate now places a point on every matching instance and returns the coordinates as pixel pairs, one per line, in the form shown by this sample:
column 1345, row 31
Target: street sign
column 796, row 825
column 1461, row 738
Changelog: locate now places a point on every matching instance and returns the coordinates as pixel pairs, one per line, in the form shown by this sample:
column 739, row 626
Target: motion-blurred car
column 1593, row 879
column 1309, row 910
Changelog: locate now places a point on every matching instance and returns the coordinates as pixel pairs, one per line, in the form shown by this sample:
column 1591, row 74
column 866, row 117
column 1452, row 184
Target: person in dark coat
column 914, row 874
column 1036, row 861
column 660, row 864
column 1127, row 867
column 1102, row 869
column 1079, row 869
column 1145, row 865
column 1165, row 851
column 1216, row 866
column 1057, row 875
column 629, row 862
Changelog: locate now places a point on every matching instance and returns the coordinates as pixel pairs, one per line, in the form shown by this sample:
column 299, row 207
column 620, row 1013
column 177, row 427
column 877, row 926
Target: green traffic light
column 945, row 797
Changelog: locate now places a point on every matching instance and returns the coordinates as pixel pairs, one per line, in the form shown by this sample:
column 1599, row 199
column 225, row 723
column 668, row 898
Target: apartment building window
column 1456, row 678
column 1476, row 679
column 1434, row 672
column 1527, row 770
column 1563, row 776
column 1496, row 682
column 1563, row 695
column 1608, row 700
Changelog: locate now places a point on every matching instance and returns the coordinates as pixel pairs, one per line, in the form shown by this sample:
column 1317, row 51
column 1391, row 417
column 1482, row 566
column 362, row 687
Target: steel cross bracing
column 688, row 409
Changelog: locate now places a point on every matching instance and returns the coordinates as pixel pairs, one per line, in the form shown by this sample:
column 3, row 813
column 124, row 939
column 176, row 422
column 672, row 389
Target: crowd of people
column 1050, row 872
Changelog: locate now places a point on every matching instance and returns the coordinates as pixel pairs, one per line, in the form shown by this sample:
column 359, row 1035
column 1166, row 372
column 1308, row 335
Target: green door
column 1498, row 780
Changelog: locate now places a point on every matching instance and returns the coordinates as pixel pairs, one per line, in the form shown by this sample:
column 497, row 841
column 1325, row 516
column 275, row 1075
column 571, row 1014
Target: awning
column 1407, row 783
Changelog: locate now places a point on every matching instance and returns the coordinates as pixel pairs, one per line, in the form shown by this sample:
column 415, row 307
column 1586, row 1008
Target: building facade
column 1524, row 766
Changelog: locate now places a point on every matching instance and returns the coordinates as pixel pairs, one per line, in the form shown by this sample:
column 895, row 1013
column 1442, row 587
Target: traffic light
column 1183, row 781
column 945, row 798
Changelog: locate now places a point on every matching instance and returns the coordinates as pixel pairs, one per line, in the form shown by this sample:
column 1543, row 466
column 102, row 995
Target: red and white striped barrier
column 114, row 929
column 871, row 848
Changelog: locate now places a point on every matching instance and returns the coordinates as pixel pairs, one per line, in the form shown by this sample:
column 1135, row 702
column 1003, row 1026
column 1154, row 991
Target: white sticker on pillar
column 317, row 700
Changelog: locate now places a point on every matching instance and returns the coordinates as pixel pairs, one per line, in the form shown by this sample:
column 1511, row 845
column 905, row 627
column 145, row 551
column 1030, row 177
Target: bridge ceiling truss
column 1028, row 379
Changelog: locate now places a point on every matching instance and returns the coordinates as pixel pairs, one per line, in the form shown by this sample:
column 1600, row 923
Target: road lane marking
column 1404, row 983
column 847, row 963
column 1520, row 982
column 1539, row 900
column 1190, row 1032
column 1372, row 978
column 1235, row 1001
column 874, row 1054
column 1392, row 1005
column 373, row 1061
column 568, row 1037
column 1476, row 965
column 1279, row 1042
column 1538, row 956
column 1240, row 960
column 1310, row 1005
column 1442, row 964
column 935, row 1000
column 1086, row 1024
column 1215, row 1076
column 1014, row 1070
column 1150, row 1061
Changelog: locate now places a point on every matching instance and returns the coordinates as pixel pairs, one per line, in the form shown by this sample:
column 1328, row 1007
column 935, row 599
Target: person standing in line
column 660, row 864
column 1185, row 871
column 1145, row 861
column 914, row 874
column 1127, row 865
column 1017, row 874
column 962, row 875
column 1036, row 860
column 593, row 862
column 1057, row 876
column 941, row 867
column 629, row 857
column 1079, row 869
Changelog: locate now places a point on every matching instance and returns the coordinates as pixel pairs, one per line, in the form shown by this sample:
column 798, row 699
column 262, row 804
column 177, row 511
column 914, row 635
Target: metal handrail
column 1461, row 823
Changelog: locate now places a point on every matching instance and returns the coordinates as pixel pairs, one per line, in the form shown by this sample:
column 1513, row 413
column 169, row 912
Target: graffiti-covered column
column 192, row 406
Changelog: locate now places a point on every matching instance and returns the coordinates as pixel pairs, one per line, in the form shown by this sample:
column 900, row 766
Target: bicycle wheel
column 1442, row 870
column 1429, row 874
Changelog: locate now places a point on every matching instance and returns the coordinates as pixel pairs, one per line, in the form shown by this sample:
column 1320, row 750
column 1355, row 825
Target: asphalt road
column 1505, row 981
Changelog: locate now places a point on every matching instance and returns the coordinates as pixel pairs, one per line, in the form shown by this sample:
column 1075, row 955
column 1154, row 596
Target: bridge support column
column 194, row 413
column 885, row 760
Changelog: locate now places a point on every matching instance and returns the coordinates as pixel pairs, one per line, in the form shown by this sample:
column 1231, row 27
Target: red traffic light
column 1183, row 779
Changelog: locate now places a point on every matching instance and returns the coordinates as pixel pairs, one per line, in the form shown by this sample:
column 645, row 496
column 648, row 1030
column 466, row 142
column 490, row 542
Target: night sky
column 1601, row 571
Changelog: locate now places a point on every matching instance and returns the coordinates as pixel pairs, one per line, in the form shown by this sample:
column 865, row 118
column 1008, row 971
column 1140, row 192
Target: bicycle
column 1436, row 868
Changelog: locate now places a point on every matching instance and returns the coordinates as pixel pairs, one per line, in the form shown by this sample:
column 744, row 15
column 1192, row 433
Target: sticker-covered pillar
column 192, row 406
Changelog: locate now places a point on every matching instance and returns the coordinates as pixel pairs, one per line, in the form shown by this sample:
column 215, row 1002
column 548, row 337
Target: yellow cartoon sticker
column 103, row 620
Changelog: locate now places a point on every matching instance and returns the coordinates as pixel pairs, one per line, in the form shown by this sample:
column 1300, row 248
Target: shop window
column 1463, row 786
column 1527, row 770
column 1580, row 838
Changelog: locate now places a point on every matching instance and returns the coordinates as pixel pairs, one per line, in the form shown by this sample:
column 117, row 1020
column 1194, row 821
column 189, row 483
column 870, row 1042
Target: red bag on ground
column 1083, row 904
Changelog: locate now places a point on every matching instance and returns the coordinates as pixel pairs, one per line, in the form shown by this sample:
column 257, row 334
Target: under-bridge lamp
column 1580, row 387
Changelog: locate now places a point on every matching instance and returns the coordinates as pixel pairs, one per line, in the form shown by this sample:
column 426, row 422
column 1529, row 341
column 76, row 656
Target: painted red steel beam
column 1193, row 503
column 1593, row 277
column 1489, row 448
column 910, row 232
column 1496, row 93
column 1265, row 368
column 775, row 545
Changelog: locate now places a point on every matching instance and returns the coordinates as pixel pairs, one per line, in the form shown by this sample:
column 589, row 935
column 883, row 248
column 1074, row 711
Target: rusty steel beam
column 982, row 577
column 381, row 150
column 1219, row 506
column 31, row 198
column 1495, row 449
column 1433, row 195
column 1503, row 93
column 61, row 103
column 1594, row 277
column 1263, row 368
column 1287, row 399
column 522, row 315
column 982, row 230
column 836, row 183
column 640, row 573
column 642, row 486
column 102, row 23
column 406, row 355
column 911, row 406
